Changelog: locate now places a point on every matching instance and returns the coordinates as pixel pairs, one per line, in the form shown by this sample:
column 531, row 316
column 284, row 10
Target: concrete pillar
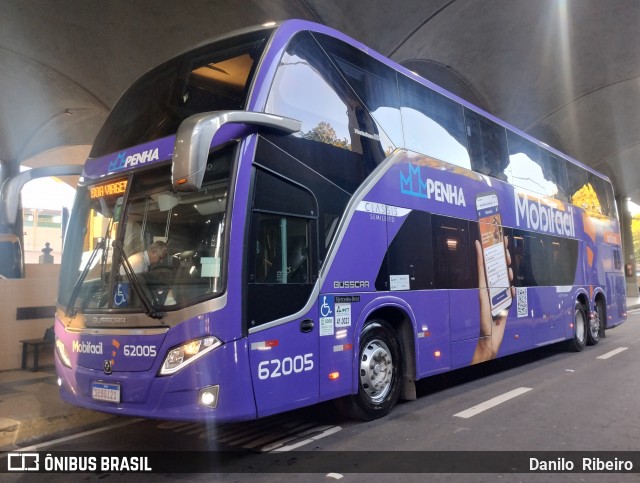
column 627, row 247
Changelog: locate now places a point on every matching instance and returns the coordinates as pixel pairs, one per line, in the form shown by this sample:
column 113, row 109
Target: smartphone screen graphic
column 494, row 252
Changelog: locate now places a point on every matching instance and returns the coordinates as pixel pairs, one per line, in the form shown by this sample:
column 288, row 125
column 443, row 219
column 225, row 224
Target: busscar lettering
column 351, row 284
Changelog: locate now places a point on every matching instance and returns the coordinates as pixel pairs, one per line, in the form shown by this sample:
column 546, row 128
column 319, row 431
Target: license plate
column 102, row 391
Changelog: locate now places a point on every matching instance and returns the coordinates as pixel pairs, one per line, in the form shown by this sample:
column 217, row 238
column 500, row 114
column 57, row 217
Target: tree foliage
column 635, row 231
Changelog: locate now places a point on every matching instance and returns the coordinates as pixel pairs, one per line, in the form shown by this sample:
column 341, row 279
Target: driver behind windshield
column 142, row 261
column 150, row 260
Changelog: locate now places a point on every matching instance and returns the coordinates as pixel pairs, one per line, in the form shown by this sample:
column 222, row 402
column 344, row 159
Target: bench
column 36, row 344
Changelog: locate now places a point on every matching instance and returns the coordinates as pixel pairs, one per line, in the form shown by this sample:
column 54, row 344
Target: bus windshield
column 134, row 244
column 211, row 78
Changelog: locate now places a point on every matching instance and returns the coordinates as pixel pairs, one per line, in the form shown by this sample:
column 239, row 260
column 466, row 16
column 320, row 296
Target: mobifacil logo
column 544, row 218
column 414, row 185
column 86, row 347
column 123, row 161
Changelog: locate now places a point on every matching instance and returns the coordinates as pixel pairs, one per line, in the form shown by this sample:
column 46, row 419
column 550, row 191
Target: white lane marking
column 612, row 353
column 492, row 402
column 280, row 447
column 37, row 447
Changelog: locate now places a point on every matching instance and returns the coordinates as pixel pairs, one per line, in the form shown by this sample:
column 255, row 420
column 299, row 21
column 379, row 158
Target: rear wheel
column 580, row 328
column 379, row 374
column 595, row 324
column 602, row 316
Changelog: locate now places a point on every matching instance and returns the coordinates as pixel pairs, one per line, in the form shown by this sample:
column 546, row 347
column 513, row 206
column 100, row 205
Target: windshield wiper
column 76, row 288
column 137, row 286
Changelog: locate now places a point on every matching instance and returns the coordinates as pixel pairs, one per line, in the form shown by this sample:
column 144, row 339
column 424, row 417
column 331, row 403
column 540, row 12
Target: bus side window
column 617, row 260
column 282, row 263
column 579, row 192
column 487, row 145
column 603, row 201
column 410, row 253
column 433, row 124
column 281, row 249
column 556, row 173
column 452, row 254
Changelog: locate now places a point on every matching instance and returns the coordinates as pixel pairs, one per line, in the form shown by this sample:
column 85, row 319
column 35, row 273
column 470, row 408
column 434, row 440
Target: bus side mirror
column 12, row 187
column 11, row 256
column 197, row 134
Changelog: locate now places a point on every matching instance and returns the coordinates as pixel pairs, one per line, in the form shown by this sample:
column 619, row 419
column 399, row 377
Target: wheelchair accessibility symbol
column 121, row 296
column 325, row 308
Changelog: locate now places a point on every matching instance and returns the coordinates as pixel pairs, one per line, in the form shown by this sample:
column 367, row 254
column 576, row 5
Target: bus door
column 282, row 321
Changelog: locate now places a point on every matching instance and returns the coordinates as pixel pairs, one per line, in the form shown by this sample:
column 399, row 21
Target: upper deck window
column 211, row 78
column 309, row 87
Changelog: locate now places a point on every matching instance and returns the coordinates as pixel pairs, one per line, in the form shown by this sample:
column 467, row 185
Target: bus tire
column 595, row 325
column 602, row 315
column 379, row 374
column 579, row 340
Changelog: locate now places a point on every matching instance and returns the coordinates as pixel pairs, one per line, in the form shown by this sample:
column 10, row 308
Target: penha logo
column 414, row 185
column 122, row 161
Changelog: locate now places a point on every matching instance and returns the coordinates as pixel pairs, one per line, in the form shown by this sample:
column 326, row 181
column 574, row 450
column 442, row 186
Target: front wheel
column 379, row 374
column 580, row 328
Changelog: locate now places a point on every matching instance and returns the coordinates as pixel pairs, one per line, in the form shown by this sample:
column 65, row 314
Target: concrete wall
column 38, row 289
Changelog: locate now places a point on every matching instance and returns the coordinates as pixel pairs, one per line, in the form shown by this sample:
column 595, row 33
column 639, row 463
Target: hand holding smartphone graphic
column 494, row 278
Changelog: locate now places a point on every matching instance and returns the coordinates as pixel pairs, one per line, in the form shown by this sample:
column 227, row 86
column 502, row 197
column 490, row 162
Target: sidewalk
column 31, row 409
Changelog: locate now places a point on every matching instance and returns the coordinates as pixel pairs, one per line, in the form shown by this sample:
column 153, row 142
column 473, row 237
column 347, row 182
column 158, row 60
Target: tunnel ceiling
column 564, row 71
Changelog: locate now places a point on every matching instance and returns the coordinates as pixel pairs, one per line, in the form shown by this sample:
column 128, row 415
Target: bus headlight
column 180, row 356
column 62, row 353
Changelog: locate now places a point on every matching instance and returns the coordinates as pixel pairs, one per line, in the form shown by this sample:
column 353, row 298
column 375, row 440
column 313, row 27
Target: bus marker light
column 342, row 347
column 333, row 376
column 437, row 353
column 517, row 336
column 571, row 325
column 264, row 345
column 426, row 333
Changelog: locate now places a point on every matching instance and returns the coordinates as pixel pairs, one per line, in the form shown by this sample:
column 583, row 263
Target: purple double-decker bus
column 283, row 217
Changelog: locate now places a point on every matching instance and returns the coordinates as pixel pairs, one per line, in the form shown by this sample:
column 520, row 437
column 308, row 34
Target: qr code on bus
column 521, row 301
